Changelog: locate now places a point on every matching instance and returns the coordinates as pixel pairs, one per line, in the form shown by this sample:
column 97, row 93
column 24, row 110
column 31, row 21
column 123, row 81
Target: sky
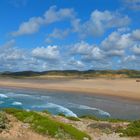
column 41, row 35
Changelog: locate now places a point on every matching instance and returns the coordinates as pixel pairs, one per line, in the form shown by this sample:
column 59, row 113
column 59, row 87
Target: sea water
column 70, row 104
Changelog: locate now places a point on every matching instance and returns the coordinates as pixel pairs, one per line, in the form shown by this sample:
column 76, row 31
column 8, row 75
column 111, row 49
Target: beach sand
column 123, row 88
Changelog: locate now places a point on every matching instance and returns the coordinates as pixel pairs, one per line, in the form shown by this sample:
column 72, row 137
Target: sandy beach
column 123, row 88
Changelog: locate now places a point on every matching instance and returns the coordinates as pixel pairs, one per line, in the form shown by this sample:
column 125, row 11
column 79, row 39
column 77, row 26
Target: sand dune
column 124, row 88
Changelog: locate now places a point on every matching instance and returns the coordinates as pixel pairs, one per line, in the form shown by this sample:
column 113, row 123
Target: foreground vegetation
column 43, row 123
column 3, row 121
column 132, row 130
column 77, row 74
column 112, row 120
column 47, row 126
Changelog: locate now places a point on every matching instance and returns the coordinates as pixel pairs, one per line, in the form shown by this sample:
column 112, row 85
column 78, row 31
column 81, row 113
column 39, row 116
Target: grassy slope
column 45, row 125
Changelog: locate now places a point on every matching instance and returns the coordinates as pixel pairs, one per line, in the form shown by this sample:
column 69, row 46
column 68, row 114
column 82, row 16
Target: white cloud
column 120, row 49
column 96, row 54
column 96, row 25
column 47, row 53
column 115, row 53
column 116, row 41
column 10, row 56
column 54, row 15
column 81, row 48
column 75, row 64
column 88, row 52
column 9, row 52
column 57, row 34
column 51, row 15
column 129, row 58
column 136, row 49
column 99, row 22
column 29, row 27
column 136, row 34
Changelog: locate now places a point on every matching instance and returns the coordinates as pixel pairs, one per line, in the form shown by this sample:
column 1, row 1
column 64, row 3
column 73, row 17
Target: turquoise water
column 69, row 103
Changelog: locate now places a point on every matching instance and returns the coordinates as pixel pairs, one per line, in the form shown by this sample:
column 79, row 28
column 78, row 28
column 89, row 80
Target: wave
column 17, row 103
column 12, row 94
column 3, row 96
column 101, row 112
column 1, row 102
column 16, row 95
column 59, row 108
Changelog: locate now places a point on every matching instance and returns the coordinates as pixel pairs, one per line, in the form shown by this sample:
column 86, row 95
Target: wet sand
column 123, row 88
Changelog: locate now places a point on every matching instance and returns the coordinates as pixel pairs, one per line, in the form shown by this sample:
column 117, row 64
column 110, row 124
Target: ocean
column 70, row 104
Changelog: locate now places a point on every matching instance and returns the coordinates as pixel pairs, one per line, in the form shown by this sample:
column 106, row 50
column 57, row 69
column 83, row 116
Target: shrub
column 133, row 129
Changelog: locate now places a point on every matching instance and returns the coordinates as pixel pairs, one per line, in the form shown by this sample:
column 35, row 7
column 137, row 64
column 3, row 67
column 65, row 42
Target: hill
column 124, row 73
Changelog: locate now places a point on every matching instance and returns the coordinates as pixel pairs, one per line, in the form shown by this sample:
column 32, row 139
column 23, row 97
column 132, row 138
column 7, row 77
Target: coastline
column 119, row 88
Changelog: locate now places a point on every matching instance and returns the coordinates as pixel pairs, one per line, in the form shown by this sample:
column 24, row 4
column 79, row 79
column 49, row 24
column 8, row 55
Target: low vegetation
column 113, row 120
column 133, row 129
column 3, row 121
column 69, row 117
column 45, row 125
column 124, row 73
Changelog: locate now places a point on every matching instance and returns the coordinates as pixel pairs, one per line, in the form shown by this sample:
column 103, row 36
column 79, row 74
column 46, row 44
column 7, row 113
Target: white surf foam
column 12, row 94
column 101, row 112
column 3, row 96
column 16, row 95
column 59, row 108
column 16, row 103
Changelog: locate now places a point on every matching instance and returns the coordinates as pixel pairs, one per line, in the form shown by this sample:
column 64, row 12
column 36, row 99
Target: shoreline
column 118, row 88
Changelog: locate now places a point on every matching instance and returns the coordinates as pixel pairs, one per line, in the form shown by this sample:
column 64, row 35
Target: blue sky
column 69, row 34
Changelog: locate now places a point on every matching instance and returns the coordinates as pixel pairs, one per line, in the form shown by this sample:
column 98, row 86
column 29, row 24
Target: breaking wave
column 59, row 108
column 15, row 95
column 17, row 103
column 101, row 112
column 3, row 96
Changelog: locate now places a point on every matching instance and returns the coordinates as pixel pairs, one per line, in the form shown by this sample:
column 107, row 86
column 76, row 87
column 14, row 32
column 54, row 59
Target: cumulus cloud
column 10, row 56
column 57, row 34
column 87, row 51
column 13, row 58
column 29, row 27
column 75, row 64
column 99, row 22
column 116, row 43
column 47, row 53
column 81, row 48
column 10, row 53
column 96, row 54
column 96, row 25
column 136, row 34
column 51, row 15
column 118, row 50
column 136, row 49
